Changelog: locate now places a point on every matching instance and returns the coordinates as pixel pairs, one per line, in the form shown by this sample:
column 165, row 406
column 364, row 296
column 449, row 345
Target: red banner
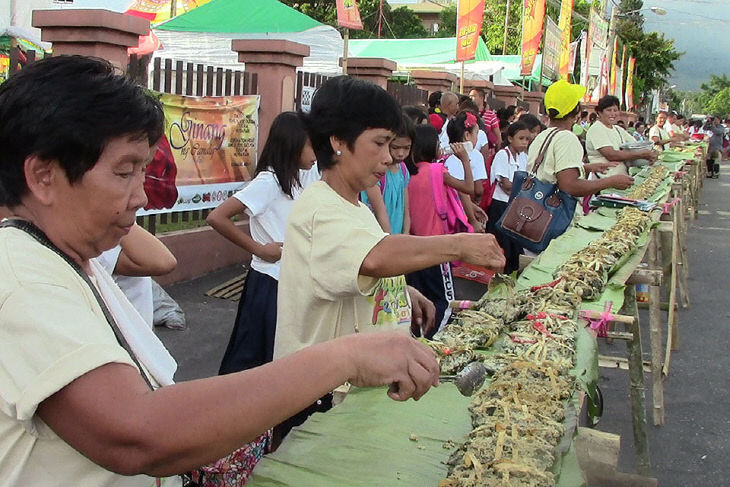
column 348, row 15
column 533, row 16
column 469, row 17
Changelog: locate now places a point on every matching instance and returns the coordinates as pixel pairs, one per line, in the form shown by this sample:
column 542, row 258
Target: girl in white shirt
column 287, row 165
column 508, row 160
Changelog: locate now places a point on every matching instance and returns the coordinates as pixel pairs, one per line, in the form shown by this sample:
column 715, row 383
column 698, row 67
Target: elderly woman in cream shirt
column 605, row 137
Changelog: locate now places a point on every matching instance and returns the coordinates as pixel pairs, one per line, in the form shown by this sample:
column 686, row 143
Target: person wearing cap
column 605, row 137
column 563, row 162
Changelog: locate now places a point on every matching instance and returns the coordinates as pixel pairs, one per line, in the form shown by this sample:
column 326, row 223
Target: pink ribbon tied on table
column 604, row 319
column 669, row 204
column 679, row 174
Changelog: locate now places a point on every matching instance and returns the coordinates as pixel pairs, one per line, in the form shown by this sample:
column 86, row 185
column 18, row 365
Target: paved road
column 692, row 449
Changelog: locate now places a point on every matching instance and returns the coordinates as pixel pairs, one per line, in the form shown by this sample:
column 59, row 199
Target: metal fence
column 408, row 94
column 190, row 79
column 307, row 84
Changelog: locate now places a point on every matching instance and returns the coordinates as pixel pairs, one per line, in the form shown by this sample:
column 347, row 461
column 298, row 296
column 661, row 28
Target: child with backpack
column 506, row 161
column 435, row 209
column 389, row 197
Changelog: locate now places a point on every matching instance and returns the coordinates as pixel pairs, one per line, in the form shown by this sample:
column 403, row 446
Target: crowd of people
column 357, row 212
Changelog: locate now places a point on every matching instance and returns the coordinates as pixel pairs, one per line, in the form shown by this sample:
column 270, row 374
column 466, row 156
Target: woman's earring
column 339, row 152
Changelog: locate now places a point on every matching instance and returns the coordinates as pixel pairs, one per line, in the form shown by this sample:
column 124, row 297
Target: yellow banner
column 208, row 150
column 630, row 84
column 533, row 16
column 614, row 69
column 564, row 23
column 469, row 17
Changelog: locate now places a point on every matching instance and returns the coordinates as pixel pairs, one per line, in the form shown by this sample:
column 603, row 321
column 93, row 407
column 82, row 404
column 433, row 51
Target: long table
column 371, row 440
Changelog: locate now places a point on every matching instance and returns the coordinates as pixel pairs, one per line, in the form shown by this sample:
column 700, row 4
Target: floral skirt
column 234, row 469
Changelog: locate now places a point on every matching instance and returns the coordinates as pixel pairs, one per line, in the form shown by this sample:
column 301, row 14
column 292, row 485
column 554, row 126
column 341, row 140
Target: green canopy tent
column 432, row 53
column 204, row 34
column 512, row 67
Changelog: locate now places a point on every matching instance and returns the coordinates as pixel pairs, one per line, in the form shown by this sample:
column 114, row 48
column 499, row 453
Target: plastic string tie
column 601, row 324
column 670, row 204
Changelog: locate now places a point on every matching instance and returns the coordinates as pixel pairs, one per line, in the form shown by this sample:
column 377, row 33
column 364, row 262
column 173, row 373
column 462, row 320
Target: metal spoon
column 469, row 379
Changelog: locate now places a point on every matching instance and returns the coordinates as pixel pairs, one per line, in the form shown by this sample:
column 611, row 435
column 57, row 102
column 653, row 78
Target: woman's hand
column 621, row 181
column 391, row 358
column 481, row 249
column 271, row 252
column 600, row 167
column 459, row 151
column 423, row 313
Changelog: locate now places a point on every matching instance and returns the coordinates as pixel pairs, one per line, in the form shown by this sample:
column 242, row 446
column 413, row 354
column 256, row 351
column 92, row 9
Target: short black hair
column 529, row 120
column 408, row 130
column 554, row 113
column 345, row 107
column 516, row 127
column 68, row 108
column 456, row 129
column 608, row 101
column 415, row 113
column 434, row 99
column 425, row 147
column 282, row 151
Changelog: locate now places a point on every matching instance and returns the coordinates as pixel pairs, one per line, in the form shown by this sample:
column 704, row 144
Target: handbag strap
column 543, row 150
column 40, row 237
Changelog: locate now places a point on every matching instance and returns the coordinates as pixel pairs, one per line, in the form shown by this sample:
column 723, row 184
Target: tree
column 399, row 23
column 715, row 85
column 655, row 55
column 719, row 105
column 447, row 21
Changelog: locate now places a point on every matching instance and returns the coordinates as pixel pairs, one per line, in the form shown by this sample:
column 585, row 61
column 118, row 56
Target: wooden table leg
column 636, row 375
column 655, row 336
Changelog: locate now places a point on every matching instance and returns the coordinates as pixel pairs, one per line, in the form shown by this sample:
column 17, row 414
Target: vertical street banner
column 605, row 77
column 620, row 77
column 551, row 50
column 630, row 83
column 533, row 16
column 614, row 69
column 208, row 152
column 469, row 17
column 348, row 15
column 574, row 46
column 564, row 23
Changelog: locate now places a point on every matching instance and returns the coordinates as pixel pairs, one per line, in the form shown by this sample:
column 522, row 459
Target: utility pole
column 506, row 26
column 380, row 18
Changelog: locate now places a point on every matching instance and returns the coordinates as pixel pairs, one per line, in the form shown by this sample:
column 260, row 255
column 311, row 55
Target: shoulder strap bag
column 538, row 211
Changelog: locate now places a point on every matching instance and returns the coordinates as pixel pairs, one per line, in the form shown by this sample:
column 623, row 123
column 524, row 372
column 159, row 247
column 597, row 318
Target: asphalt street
column 691, row 449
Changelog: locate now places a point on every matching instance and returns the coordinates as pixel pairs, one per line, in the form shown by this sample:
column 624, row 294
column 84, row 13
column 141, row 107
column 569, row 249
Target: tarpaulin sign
column 533, row 16
column 469, row 17
column 208, row 151
column 630, row 84
column 348, row 15
column 551, row 50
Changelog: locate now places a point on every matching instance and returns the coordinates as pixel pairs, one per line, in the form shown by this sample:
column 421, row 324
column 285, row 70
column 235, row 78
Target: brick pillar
column 91, row 32
column 508, row 94
column 470, row 84
column 275, row 62
column 534, row 98
column 434, row 80
column 374, row 69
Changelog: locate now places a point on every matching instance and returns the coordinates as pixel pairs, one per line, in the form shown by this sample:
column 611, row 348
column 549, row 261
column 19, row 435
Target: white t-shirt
column 476, row 161
column 443, row 136
column 268, row 209
column 504, row 165
column 600, row 136
column 137, row 289
column 657, row 131
column 321, row 292
column 52, row 331
column 481, row 140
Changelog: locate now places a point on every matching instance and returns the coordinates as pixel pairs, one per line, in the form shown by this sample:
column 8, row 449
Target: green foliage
column 447, row 21
column 655, row 55
column 400, row 23
column 719, row 105
column 715, row 85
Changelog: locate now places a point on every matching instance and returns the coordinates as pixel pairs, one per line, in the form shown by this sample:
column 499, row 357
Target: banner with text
column 469, row 18
column 533, row 16
column 551, row 50
column 565, row 23
column 207, row 152
column 348, row 15
column 614, row 69
column 630, row 84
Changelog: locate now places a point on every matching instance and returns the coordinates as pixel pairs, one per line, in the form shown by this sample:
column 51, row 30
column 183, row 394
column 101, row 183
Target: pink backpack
column 448, row 206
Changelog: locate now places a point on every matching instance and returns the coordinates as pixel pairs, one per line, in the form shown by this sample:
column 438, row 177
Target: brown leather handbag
column 537, row 211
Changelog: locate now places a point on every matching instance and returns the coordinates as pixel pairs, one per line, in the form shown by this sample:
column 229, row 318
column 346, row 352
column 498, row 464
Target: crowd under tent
column 204, row 34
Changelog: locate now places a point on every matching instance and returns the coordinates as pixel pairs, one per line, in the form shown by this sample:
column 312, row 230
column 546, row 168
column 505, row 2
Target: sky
column 701, row 29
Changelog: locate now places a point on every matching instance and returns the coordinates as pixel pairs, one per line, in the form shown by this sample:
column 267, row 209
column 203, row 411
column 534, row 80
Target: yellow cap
column 563, row 97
